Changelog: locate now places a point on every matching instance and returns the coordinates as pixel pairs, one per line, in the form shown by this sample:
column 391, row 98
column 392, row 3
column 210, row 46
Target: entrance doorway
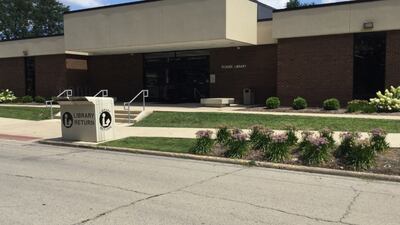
column 369, row 64
column 177, row 77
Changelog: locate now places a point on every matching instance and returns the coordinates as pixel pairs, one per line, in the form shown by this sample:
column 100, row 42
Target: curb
column 243, row 162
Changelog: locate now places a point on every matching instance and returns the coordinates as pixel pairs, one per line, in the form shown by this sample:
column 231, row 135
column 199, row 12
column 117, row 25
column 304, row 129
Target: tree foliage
column 296, row 3
column 30, row 18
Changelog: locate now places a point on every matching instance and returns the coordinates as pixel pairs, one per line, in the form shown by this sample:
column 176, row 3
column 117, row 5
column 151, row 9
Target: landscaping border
column 243, row 162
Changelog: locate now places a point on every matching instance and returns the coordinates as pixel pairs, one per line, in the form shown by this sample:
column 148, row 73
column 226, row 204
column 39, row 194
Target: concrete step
column 126, row 112
column 125, row 116
column 119, row 120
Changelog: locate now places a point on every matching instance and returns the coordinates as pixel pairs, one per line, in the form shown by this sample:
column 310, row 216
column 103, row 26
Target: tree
column 30, row 18
column 296, row 4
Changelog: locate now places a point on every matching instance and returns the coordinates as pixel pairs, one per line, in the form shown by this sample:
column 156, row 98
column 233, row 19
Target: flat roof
column 324, row 5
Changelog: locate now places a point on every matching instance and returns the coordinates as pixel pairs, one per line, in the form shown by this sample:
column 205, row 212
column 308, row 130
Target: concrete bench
column 217, row 102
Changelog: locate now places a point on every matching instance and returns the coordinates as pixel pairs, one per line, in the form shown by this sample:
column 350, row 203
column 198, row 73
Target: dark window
column 369, row 64
column 30, row 76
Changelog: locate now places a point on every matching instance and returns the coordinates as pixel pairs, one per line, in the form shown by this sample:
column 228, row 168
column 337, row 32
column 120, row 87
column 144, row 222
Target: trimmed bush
column 7, row 96
column 237, row 145
column 260, row 137
column 204, row 142
column 315, row 151
column 27, row 99
column 331, row 104
column 378, row 140
column 278, row 150
column 40, row 99
column 299, row 103
column 273, row 103
column 223, row 135
column 361, row 106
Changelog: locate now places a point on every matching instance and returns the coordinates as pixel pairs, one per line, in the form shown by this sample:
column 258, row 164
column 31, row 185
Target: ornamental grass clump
column 348, row 140
column 291, row 135
column 378, row 140
column 237, row 144
column 388, row 101
column 204, row 142
column 361, row 155
column 7, row 96
column 223, row 135
column 260, row 137
column 304, row 138
column 328, row 135
column 316, row 150
column 278, row 149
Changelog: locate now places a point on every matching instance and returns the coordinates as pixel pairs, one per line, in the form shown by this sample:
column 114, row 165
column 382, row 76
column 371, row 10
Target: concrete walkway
column 235, row 109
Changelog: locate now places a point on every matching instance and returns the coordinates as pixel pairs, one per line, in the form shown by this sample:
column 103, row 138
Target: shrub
column 223, row 135
column 361, row 155
column 291, row 135
column 389, row 101
column 378, row 140
column 260, row 137
column 273, row 103
column 237, row 145
column 304, row 138
column 328, row 135
column 27, row 99
column 204, row 142
column 7, row 96
column 40, row 99
column 347, row 142
column 360, row 106
column 278, row 149
column 299, row 103
column 331, row 104
column 316, row 151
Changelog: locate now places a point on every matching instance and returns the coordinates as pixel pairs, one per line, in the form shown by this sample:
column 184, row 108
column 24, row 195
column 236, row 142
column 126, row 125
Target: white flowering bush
column 6, row 96
column 388, row 101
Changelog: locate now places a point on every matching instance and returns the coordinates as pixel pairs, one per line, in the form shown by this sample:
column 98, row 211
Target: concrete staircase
column 121, row 116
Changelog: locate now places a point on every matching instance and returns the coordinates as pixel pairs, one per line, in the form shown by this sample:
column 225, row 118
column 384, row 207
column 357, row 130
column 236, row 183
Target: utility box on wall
column 89, row 119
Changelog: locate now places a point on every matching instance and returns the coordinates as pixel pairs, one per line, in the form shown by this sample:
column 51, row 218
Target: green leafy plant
column 223, row 135
column 27, row 99
column 204, row 142
column 362, row 106
column 299, row 103
column 40, row 99
column 315, row 151
column 273, row 103
column 291, row 135
column 378, row 140
column 361, row 155
column 278, row 150
column 304, row 138
column 328, row 135
column 388, row 101
column 348, row 140
column 260, row 137
column 237, row 145
column 331, row 104
column 7, row 96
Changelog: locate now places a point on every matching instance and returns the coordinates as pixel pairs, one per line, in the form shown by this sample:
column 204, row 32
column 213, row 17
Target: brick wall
column 12, row 75
column 259, row 73
column 315, row 68
column 122, row 75
column 393, row 59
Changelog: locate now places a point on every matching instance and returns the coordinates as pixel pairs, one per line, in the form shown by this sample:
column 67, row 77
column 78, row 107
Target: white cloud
column 279, row 4
column 83, row 3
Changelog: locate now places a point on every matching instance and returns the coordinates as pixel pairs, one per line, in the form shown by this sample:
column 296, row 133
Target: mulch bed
column 386, row 163
column 310, row 110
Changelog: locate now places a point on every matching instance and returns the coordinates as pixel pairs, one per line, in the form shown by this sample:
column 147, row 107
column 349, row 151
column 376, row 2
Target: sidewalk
column 191, row 107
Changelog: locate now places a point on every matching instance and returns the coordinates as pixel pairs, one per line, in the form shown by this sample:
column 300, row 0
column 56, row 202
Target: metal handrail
column 127, row 105
column 49, row 104
column 103, row 93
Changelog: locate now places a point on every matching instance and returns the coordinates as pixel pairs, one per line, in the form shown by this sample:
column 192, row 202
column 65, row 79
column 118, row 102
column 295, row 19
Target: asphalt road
column 53, row 185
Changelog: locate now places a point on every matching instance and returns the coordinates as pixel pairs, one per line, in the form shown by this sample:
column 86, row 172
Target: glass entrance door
column 177, row 77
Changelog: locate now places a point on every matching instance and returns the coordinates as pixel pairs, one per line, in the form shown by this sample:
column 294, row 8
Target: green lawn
column 179, row 145
column 214, row 120
column 26, row 113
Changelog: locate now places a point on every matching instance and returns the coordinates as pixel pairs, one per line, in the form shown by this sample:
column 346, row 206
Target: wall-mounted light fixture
column 25, row 52
column 368, row 25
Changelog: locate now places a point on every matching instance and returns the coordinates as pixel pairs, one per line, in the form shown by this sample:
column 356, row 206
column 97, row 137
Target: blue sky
column 81, row 4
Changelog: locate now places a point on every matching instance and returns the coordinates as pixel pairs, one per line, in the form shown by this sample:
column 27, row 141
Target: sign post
column 89, row 119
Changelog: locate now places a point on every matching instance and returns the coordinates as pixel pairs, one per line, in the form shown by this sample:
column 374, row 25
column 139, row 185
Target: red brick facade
column 315, row 68
column 12, row 75
column 256, row 69
column 393, row 59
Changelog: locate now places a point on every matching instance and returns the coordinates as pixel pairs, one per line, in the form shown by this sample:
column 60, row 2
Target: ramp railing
column 49, row 104
column 127, row 105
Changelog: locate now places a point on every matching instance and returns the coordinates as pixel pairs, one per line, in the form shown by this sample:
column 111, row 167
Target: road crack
column 351, row 204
